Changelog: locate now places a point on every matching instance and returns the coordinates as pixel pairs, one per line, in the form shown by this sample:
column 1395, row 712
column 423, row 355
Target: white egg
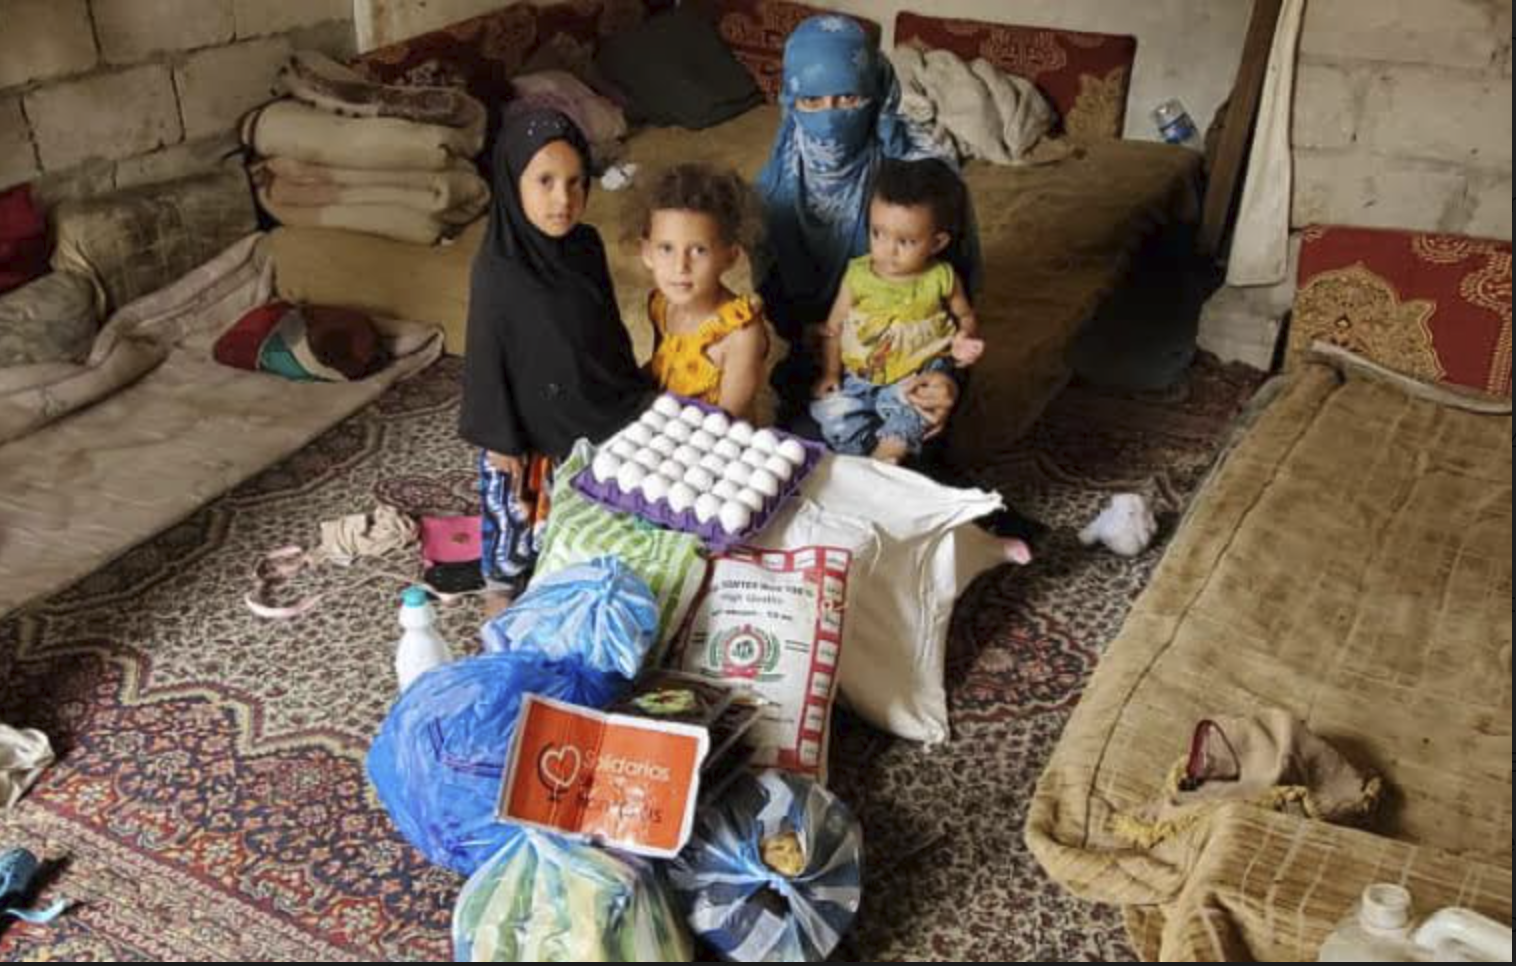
column 765, row 483
column 607, row 465
column 703, row 441
column 735, row 517
column 700, row 478
column 682, row 497
column 755, row 458
column 624, row 448
column 739, row 473
column 668, row 406
column 741, row 433
column 728, row 451
column 693, row 416
column 766, row 440
column 726, row 489
column 638, row 433
column 688, row 455
column 654, row 420
column 782, row 468
column 630, row 478
column 673, row 469
column 656, row 488
column 715, row 464
column 678, row 432
column 794, row 451
column 707, row 508
column 752, row 500
column 717, row 424
column 649, row 459
column 664, row 446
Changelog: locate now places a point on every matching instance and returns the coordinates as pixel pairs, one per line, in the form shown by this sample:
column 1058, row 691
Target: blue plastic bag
column 439, row 761
column 734, row 862
column 600, row 613
column 543, row 899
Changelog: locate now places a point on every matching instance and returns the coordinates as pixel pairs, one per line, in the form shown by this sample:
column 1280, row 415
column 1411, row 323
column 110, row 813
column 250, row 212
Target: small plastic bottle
column 1176, row 124
column 421, row 648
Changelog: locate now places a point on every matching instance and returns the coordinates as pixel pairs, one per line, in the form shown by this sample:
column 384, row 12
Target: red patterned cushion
column 1088, row 77
column 23, row 239
column 1434, row 307
column 757, row 31
column 484, row 53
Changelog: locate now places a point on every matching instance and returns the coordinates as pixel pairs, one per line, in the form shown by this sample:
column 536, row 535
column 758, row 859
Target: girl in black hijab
column 549, row 361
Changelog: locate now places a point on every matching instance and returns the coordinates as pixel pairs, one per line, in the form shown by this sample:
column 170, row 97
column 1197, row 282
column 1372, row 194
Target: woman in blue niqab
column 841, row 119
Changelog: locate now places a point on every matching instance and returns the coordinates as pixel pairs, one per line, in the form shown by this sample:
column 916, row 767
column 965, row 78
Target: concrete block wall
column 1403, row 115
column 104, row 94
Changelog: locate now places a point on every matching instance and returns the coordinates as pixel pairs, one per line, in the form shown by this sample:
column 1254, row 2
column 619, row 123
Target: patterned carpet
column 211, row 804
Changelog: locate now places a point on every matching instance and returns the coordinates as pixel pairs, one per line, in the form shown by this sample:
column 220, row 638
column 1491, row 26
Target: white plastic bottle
column 421, row 648
column 1382, row 931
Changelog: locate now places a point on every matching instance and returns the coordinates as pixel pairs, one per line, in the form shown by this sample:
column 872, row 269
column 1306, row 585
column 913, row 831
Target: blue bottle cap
column 416, row 597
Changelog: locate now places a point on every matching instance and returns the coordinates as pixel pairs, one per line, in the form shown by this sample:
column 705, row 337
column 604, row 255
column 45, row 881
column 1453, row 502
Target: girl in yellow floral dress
column 712, row 344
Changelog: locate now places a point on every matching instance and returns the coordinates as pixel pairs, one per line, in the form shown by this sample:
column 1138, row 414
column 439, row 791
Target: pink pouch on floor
column 451, row 540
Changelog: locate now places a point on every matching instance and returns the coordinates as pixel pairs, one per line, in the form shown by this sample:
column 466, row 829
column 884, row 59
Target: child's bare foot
column 892, row 451
column 1017, row 551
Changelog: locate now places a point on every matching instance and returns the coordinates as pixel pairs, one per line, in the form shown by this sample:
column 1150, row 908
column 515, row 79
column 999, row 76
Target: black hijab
column 549, row 361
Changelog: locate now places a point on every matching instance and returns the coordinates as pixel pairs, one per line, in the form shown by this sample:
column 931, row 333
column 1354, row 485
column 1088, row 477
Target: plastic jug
column 1383, row 931
column 421, row 648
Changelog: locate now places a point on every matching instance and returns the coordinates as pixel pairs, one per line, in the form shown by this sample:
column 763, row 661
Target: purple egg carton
column 713, row 534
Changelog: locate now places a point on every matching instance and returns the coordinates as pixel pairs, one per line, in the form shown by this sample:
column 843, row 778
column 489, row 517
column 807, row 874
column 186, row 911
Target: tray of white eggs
column 690, row 467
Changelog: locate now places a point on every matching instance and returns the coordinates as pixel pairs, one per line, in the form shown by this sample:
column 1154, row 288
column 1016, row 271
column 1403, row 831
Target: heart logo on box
column 559, row 768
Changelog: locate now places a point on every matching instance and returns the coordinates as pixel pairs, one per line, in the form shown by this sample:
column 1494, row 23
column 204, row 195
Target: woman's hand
column 513, row 466
column 935, row 396
column 826, row 386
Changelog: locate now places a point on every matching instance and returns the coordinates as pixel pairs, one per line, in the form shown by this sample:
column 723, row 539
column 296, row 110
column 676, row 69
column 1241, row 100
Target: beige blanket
column 93, row 485
column 288, row 128
column 316, row 79
column 977, row 109
column 399, row 222
column 455, row 188
column 1350, row 562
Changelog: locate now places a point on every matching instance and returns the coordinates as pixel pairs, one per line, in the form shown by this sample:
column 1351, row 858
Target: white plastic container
column 1383, row 930
column 421, row 648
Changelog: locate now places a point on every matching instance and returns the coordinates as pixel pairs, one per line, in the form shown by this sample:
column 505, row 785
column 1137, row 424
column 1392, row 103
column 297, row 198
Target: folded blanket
column 456, row 196
column 399, row 222
column 976, row 109
column 316, row 79
column 291, row 129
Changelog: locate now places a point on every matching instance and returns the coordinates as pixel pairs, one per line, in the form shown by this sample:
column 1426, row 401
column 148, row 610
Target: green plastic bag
column 543, row 899
column 580, row 531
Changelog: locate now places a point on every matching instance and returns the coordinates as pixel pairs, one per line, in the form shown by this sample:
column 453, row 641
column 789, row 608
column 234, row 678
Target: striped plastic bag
column 581, row 531
column 773, row 836
column 543, row 899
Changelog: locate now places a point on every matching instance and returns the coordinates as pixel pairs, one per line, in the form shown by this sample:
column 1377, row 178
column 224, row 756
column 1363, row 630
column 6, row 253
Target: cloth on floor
column 289, row 128
column 316, row 79
column 18, row 877
column 977, row 110
column 24, row 756
column 304, row 343
column 1272, row 761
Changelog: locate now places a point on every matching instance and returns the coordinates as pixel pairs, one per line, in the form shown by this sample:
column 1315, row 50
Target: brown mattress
column 1057, row 241
column 1350, row 562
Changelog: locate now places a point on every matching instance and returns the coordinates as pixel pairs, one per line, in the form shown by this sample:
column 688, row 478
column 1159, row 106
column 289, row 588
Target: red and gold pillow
column 1433, row 307
column 483, row 54
column 757, row 31
column 1088, row 77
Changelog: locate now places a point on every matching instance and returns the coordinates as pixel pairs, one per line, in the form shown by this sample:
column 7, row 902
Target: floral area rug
column 210, row 804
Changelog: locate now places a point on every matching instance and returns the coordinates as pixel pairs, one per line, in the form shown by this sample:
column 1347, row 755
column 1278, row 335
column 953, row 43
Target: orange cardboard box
column 628, row 783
